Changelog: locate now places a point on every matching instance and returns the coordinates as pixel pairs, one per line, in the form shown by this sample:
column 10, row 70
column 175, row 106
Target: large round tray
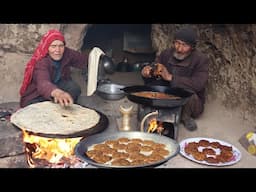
column 86, row 143
column 100, row 126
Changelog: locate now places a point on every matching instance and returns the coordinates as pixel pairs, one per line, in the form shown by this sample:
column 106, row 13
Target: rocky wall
column 231, row 49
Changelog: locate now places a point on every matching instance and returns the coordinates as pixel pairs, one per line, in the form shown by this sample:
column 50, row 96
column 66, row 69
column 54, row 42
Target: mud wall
column 231, row 49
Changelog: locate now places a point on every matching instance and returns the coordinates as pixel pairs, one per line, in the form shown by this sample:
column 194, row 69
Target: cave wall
column 231, row 49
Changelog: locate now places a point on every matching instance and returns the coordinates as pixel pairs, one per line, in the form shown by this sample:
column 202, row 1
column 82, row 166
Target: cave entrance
column 121, row 41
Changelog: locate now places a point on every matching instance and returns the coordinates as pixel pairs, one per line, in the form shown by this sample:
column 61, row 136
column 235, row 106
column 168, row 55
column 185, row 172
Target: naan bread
column 51, row 118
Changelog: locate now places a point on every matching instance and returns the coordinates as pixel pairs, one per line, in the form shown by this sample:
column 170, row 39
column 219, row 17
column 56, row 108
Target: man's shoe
column 190, row 124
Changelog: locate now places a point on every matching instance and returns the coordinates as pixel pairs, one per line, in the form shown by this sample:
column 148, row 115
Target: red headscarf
column 40, row 52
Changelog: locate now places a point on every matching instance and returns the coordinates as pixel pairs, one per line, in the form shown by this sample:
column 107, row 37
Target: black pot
column 108, row 64
column 163, row 103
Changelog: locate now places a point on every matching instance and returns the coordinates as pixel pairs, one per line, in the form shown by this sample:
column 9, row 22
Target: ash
column 71, row 162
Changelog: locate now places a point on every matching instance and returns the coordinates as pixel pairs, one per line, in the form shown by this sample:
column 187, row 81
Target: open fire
column 51, row 152
column 155, row 126
column 159, row 127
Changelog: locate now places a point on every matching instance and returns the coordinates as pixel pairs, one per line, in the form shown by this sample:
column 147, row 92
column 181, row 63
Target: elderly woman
column 47, row 75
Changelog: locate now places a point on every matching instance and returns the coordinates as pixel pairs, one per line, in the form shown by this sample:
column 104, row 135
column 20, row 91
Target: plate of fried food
column 126, row 149
column 209, row 151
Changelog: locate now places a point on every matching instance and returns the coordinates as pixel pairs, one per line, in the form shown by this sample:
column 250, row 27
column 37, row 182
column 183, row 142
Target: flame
column 50, row 149
column 155, row 125
column 152, row 125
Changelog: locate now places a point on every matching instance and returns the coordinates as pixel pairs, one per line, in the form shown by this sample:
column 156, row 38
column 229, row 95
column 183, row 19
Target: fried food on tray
column 161, row 151
column 154, row 157
column 137, row 162
column 204, row 143
column 120, row 146
column 211, row 152
column 215, row 144
column 137, row 156
column 111, row 142
column 199, row 156
column 93, row 153
column 116, row 155
column 132, row 148
column 211, row 160
column 121, row 162
column 125, row 152
column 146, row 148
column 225, row 148
column 158, row 145
column 100, row 146
column 191, row 148
column 101, row 158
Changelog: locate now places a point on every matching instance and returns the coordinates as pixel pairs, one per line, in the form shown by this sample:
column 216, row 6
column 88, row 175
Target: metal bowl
column 110, row 91
column 83, row 146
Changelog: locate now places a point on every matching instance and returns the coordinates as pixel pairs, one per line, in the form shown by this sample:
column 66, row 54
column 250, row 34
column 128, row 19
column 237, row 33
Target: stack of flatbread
column 51, row 118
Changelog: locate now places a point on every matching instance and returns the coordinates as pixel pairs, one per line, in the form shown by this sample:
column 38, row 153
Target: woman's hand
column 62, row 97
column 146, row 71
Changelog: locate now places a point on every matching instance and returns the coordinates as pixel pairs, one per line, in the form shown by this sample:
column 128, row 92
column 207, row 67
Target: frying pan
column 184, row 95
column 85, row 144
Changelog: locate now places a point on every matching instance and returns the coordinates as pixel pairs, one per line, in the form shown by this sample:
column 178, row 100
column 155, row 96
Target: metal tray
column 85, row 143
column 100, row 126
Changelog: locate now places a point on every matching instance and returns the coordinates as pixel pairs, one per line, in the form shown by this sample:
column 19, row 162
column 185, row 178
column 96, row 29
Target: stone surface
column 18, row 161
column 10, row 137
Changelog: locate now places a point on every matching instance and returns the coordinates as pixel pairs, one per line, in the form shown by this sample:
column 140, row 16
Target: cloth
column 57, row 65
column 93, row 63
column 190, row 73
column 186, row 34
column 40, row 52
column 43, row 76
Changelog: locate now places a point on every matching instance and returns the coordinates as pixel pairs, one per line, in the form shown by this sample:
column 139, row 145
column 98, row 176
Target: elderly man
column 185, row 67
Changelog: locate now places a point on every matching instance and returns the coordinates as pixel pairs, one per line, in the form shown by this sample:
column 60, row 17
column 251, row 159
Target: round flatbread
column 51, row 118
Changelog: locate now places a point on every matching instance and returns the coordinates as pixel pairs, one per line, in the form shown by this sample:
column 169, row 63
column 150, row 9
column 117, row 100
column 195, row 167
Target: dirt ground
column 222, row 124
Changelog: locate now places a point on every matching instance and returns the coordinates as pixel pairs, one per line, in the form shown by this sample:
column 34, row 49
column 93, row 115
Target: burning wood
column 50, row 152
column 155, row 125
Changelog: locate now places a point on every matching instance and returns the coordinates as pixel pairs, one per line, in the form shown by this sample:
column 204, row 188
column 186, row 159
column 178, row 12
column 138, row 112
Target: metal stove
column 166, row 112
column 167, row 120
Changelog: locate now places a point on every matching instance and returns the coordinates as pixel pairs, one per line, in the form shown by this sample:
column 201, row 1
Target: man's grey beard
column 180, row 56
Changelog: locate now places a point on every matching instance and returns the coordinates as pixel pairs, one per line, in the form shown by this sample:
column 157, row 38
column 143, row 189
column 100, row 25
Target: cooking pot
column 107, row 63
column 110, row 91
column 156, row 102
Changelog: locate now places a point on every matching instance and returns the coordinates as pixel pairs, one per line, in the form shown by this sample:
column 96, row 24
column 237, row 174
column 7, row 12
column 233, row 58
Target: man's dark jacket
column 191, row 73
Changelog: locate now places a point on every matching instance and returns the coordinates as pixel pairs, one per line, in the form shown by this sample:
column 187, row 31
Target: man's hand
column 146, row 71
column 62, row 97
column 162, row 71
